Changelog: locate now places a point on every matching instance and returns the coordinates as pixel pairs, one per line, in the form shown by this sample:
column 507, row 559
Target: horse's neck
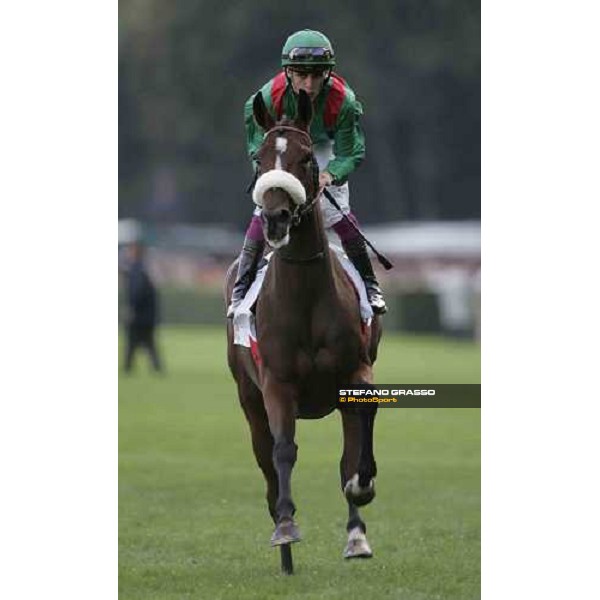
column 305, row 264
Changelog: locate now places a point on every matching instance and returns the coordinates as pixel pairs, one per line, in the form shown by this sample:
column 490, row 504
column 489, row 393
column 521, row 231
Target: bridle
column 300, row 210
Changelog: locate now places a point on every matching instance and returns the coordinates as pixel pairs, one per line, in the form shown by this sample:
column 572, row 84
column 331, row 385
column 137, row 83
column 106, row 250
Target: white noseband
column 279, row 179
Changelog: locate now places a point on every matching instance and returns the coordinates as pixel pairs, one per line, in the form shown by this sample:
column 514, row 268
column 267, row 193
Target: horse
column 309, row 332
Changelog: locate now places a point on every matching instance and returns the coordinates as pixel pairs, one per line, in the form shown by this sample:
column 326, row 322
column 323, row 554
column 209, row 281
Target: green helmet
column 307, row 48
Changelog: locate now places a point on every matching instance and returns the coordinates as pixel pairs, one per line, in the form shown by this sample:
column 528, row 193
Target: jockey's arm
column 349, row 143
column 254, row 134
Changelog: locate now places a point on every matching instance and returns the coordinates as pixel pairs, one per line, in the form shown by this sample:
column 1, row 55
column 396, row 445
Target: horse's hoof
column 359, row 496
column 286, row 532
column 357, row 546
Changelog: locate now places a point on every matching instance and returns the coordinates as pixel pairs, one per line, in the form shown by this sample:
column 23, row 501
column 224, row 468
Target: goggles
column 309, row 54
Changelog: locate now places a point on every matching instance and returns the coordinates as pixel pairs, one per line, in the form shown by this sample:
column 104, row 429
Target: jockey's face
column 309, row 81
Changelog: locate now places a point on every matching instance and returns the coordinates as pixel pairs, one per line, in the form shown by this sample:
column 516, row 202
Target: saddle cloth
column 244, row 330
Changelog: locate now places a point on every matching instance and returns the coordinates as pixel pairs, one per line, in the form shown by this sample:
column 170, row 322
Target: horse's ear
column 261, row 113
column 305, row 110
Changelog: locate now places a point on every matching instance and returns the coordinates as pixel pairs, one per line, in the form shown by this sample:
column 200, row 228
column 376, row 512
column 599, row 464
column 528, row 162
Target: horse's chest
column 328, row 359
column 303, row 358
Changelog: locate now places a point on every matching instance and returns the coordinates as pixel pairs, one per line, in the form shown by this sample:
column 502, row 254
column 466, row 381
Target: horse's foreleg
column 361, row 487
column 367, row 467
column 281, row 409
column 357, row 545
column 262, row 441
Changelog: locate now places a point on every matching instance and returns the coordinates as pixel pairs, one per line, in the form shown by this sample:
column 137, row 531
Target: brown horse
column 309, row 334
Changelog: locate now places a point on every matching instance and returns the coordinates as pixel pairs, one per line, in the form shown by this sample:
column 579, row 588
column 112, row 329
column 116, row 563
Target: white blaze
column 280, row 147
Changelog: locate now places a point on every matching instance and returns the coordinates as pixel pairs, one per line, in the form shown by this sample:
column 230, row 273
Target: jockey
column 338, row 143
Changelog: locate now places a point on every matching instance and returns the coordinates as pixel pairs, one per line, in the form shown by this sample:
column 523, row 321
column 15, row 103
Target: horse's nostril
column 284, row 215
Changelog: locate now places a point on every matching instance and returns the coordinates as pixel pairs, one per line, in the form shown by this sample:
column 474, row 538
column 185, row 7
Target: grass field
column 192, row 517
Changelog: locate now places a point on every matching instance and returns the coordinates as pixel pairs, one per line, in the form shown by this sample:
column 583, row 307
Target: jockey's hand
column 325, row 179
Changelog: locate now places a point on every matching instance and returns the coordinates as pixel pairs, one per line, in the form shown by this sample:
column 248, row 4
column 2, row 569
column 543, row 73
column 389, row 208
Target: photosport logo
column 411, row 395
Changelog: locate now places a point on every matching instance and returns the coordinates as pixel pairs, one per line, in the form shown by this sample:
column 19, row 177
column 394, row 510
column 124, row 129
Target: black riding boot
column 250, row 256
column 356, row 250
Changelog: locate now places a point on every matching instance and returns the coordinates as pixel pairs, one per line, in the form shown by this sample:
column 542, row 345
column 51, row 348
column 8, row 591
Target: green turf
column 192, row 518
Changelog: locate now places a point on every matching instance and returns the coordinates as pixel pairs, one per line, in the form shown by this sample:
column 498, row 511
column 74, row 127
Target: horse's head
column 287, row 184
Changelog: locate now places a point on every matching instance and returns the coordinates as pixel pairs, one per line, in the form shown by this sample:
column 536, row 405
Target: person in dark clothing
column 142, row 304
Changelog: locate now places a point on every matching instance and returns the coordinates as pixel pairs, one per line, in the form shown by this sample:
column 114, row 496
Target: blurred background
column 187, row 67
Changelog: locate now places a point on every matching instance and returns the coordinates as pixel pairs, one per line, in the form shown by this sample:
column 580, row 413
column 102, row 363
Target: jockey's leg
column 252, row 250
column 356, row 249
